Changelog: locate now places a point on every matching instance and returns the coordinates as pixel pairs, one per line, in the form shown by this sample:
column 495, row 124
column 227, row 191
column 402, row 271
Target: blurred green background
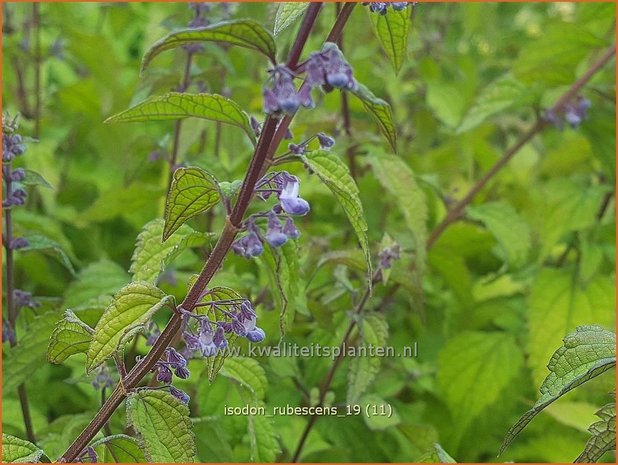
column 533, row 257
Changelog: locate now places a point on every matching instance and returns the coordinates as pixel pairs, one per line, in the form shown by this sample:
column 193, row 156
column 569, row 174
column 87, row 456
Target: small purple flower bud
column 175, row 359
column 8, row 335
column 398, row 6
column 288, row 134
column 256, row 126
column 180, row 395
column 164, row 374
column 256, row 335
column 219, row 339
column 290, row 230
column 102, row 379
column 23, row 299
column 19, row 243
column 388, row 255
column 92, row 455
column 275, row 235
column 326, row 142
column 18, row 175
column 297, row 149
column 249, row 246
column 182, row 372
column 246, row 311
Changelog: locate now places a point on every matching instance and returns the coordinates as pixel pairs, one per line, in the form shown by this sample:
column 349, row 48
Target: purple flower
column 8, row 335
column 326, row 142
column 175, row 359
column 19, row 243
column 283, row 97
column 290, row 201
column 256, row 335
column 297, row 149
column 164, row 374
column 248, row 246
column 329, row 69
column 274, row 234
column 102, row 379
column 290, row 230
column 180, row 395
column 256, row 126
column 12, row 146
column 398, row 6
column 574, row 113
column 18, row 175
column 23, row 299
column 182, row 372
column 388, row 255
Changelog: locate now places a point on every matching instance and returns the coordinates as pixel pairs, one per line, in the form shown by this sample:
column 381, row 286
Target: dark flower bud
column 19, row 243
column 23, row 299
column 102, row 379
column 174, row 358
column 249, row 246
column 388, row 255
column 8, row 335
column 326, row 142
column 164, row 374
column 256, row 126
column 180, row 395
column 219, row 339
column 275, row 235
column 18, row 175
column 297, row 149
column 92, row 455
column 256, row 335
column 182, row 372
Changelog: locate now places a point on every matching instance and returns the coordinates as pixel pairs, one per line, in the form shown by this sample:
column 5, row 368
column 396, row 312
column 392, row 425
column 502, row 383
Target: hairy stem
column 140, row 370
column 184, row 85
column 36, row 22
column 10, row 304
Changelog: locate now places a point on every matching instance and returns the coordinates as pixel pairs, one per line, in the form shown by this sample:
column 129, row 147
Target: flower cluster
column 171, row 360
column 574, row 113
column 286, row 188
column 382, row 7
column 12, row 146
column 326, row 69
column 224, row 318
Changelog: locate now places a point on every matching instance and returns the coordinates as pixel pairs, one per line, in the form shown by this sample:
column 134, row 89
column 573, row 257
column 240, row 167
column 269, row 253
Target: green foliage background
column 533, row 257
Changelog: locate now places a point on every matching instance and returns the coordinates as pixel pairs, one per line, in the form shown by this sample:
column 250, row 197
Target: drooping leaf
column 15, row 450
column 556, row 306
column 287, row 14
column 193, row 191
column 586, row 353
column 474, row 369
column 335, row 174
column 363, row 370
column 245, row 33
column 35, row 179
column 507, row 226
column 397, row 178
column 249, row 373
column 504, row 93
column 151, row 255
column 176, row 105
column 603, row 435
column 437, row 455
column 129, row 311
column 392, row 30
column 41, row 243
column 97, row 279
column 120, row 448
column 28, row 355
column 263, row 439
column 163, row 425
column 70, row 336
column 381, row 112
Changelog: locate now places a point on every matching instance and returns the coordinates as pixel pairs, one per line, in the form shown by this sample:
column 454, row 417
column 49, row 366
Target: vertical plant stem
column 36, row 21
column 184, row 85
column 11, row 310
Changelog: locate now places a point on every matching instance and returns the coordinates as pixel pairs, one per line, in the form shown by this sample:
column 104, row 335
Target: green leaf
column 586, row 353
column 29, row 353
column 381, row 112
column 335, row 174
column 283, row 268
column 363, row 370
column 603, row 435
column 129, row 311
column 35, row 179
column 193, row 191
column 508, row 227
column 97, row 279
column 40, row 243
column 398, row 179
column 504, row 93
column 245, row 33
column 176, row 105
column 556, row 306
column 215, row 363
column 15, row 450
column 151, row 255
column 249, row 373
column 70, row 336
column 392, row 30
column 263, row 439
column 437, row 455
column 120, row 448
column 385, row 416
column 474, row 369
column 287, row 13
column 163, row 425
